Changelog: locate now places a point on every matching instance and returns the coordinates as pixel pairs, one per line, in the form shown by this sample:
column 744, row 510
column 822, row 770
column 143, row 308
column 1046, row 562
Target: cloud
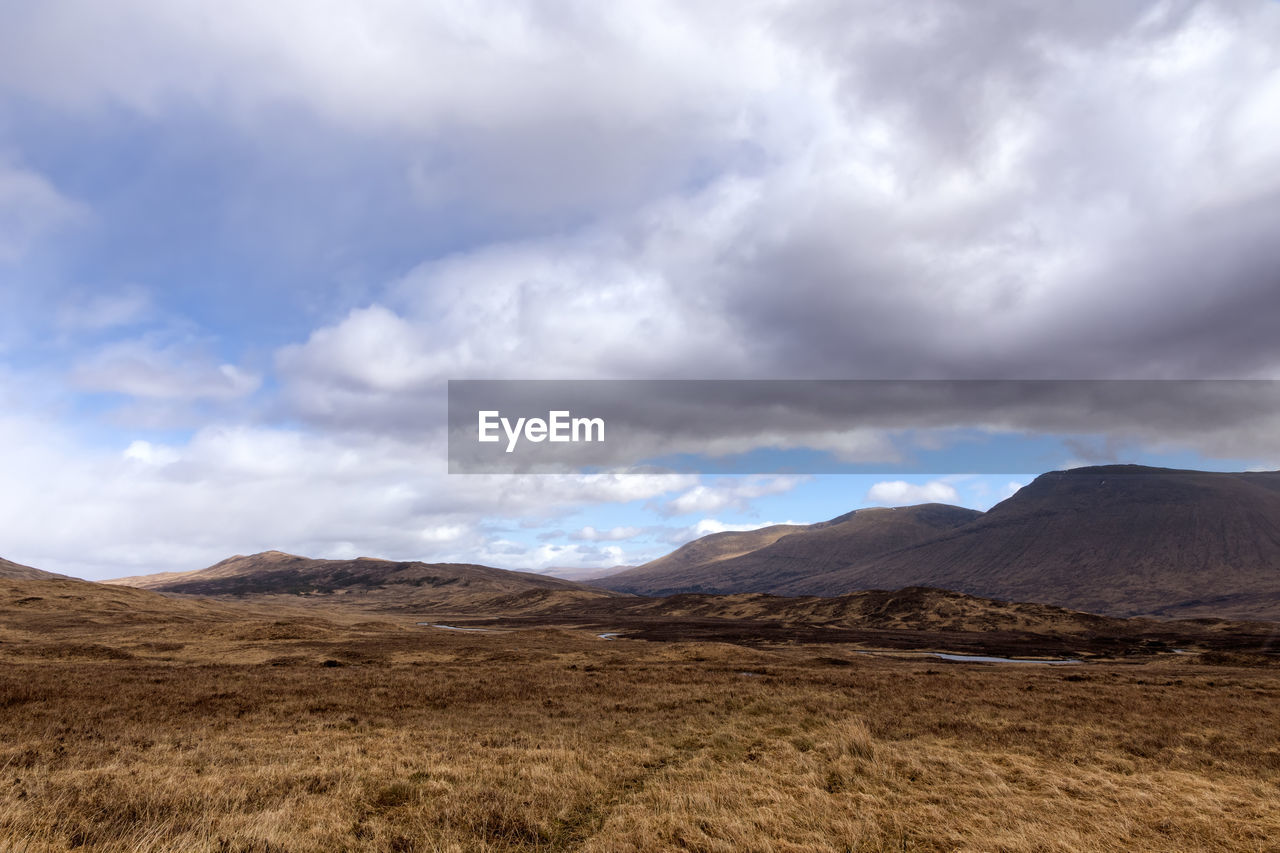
column 555, row 558
column 30, row 207
column 711, row 525
column 817, row 189
column 733, row 493
column 442, row 533
column 613, row 534
column 146, row 453
column 727, row 190
column 101, row 311
column 889, row 427
column 141, row 369
column 155, row 506
column 902, row 493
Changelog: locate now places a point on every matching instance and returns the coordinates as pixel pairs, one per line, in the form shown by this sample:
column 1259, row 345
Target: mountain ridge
column 765, row 558
column 1123, row 540
column 1120, row 540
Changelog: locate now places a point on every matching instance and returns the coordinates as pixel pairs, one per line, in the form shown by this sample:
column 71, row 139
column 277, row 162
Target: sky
column 243, row 247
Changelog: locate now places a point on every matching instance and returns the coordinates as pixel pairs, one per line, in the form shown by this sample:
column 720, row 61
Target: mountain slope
column 766, row 559
column 1120, row 540
column 16, row 571
column 366, row 581
column 691, row 567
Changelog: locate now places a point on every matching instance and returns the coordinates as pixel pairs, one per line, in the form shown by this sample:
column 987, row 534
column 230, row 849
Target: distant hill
column 19, row 572
column 766, row 559
column 1118, row 539
column 382, row 584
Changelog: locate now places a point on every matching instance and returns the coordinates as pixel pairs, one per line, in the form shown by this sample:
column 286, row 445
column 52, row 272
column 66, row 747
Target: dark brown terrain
column 1120, row 540
column 914, row 618
column 478, row 597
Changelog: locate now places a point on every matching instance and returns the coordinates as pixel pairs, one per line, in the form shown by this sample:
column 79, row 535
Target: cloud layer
column 242, row 248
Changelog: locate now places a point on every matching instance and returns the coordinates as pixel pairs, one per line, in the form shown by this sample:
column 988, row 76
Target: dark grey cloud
column 881, row 425
column 1012, row 190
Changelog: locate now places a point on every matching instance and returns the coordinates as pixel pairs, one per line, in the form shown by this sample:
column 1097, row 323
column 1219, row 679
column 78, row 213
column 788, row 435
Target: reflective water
column 994, row 659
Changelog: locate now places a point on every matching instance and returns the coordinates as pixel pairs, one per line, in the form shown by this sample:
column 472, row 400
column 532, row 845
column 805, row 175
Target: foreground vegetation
column 299, row 735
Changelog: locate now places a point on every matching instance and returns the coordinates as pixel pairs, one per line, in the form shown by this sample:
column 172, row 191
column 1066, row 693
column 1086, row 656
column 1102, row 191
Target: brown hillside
column 16, row 571
column 44, row 609
column 764, row 560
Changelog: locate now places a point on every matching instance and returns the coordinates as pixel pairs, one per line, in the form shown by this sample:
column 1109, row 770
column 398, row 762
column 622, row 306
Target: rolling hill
column 374, row 583
column 764, row 560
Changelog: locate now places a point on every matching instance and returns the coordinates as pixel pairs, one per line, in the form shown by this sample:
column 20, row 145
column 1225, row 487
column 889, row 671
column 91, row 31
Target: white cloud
column 570, row 561
column 1012, row 488
column 239, row 489
column 146, row 453
column 442, row 533
column 708, row 526
column 736, row 493
column 902, row 493
column 140, row 369
column 613, row 534
column 372, row 348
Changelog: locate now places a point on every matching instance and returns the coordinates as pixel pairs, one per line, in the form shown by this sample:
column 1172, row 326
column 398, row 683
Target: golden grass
column 238, row 737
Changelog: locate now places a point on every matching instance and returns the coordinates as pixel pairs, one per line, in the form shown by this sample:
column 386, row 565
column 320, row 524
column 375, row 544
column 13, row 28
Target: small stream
column 995, row 659
column 456, row 628
column 962, row 658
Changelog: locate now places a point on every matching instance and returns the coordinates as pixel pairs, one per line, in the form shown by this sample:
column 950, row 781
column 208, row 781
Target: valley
column 275, row 702
column 319, row 732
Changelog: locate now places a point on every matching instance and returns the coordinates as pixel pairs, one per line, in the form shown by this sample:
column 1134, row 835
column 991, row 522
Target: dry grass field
column 303, row 734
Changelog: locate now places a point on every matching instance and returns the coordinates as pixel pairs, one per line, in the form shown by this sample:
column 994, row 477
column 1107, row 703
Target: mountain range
column 1120, row 540
column 1117, row 540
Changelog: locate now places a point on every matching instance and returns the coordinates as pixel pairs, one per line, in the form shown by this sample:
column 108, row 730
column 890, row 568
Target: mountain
column 15, row 571
column 366, row 581
column 769, row 558
column 1116, row 539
